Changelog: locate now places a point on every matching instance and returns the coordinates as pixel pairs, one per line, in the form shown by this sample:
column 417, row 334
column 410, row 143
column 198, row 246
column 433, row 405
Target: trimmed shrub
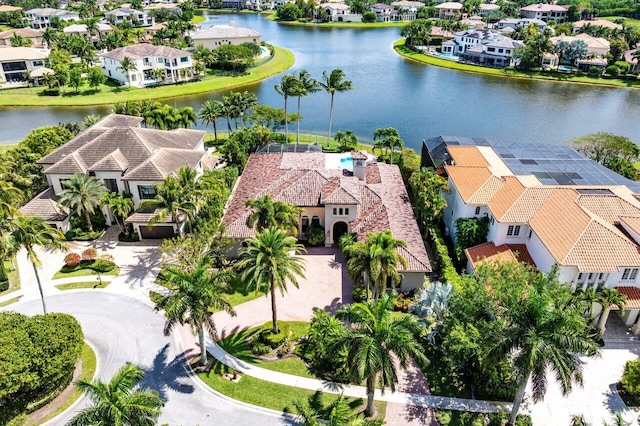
column 360, row 293
column 631, row 378
column 447, row 270
column 594, row 72
column 90, row 254
column 274, row 340
column 315, row 235
column 613, row 71
column 132, row 237
column 102, row 265
column 72, row 259
column 260, row 349
column 623, row 66
column 369, row 17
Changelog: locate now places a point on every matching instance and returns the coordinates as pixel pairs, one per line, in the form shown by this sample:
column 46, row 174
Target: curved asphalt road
column 124, row 329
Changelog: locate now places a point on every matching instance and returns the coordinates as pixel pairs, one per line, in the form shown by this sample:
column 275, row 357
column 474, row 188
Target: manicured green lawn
column 271, row 395
column 4, row 27
column 89, row 361
column 628, row 21
column 83, row 284
column 272, row 17
column 8, row 146
column 110, row 94
column 238, row 295
column 83, row 272
column 14, row 278
column 404, row 51
column 197, row 19
column 10, row 301
column 236, row 345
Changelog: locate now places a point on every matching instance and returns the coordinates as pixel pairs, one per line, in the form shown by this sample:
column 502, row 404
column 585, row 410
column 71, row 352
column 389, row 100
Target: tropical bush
column 37, row 358
column 447, row 270
column 360, row 293
column 274, row 340
column 631, row 380
column 102, row 264
column 260, row 349
column 77, row 234
column 90, row 254
column 4, row 285
column 72, row 259
column 315, row 235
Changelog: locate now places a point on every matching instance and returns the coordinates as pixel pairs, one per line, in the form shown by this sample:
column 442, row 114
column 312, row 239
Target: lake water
column 421, row 101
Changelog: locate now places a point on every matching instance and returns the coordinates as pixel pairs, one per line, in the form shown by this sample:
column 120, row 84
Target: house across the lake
column 127, row 159
column 547, row 205
column 342, row 193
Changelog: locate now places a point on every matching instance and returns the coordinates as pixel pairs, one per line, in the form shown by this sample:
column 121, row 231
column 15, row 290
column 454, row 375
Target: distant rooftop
column 550, row 164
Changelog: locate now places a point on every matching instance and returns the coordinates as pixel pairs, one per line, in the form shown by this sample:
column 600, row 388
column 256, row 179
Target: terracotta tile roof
column 486, row 191
column 301, row 179
column 115, row 161
column 469, row 156
column 633, row 296
column 45, row 206
column 608, row 207
column 526, row 205
column 357, row 155
column 505, row 197
column 468, row 180
column 489, row 252
column 371, row 173
column 145, row 214
column 164, row 162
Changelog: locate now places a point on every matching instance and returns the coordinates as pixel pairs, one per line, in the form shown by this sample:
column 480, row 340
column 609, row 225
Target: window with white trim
column 341, row 211
column 629, row 274
column 477, row 210
column 513, row 230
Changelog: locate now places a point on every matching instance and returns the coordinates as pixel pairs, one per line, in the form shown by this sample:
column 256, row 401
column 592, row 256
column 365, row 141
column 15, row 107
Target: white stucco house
column 136, row 17
column 448, row 10
column 174, row 64
column 340, row 12
column 127, row 159
column 547, row 206
column 485, row 46
column 545, row 12
column 17, row 62
column 367, row 197
column 217, row 35
column 40, row 18
column 521, row 22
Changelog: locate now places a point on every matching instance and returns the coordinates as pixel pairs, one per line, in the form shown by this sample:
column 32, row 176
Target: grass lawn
column 14, row 278
column 10, row 301
column 197, row 19
column 628, row 21
column 271, row 395
column 82, row 273
column 272, row 17
column 4, row 27
column 110, row 93
column 7, row 146
column 83, row 284
column 236, row 345
column 405, row 52
column 88, row 371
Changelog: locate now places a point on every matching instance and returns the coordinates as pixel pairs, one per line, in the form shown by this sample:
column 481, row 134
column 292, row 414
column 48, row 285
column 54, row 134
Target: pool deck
column 334, row 161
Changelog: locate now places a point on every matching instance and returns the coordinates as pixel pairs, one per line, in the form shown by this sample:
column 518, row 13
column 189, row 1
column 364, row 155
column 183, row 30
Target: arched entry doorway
column 339, row 229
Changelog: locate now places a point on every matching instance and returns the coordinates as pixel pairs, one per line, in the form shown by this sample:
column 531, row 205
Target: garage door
column 156, row 232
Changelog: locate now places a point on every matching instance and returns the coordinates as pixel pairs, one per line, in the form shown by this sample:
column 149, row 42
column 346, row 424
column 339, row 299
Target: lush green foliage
column 268, row 213
column 315, row 235
column 470, row 232
column 631, row 378
column 426, row 188
column 37, row 358
column 617, row 153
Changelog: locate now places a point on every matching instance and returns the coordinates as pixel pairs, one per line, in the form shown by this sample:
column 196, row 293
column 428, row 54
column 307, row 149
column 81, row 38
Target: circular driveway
column 123, row 329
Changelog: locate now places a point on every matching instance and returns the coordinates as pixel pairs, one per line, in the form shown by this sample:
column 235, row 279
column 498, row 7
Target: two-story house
column 340, row 12
column 448, row 10
column 127, row 159
column 546, row 205
column 40, row 18
column 136, row 17
column 217, row 35
column 82, row 30
column 463, row 40
column 17, row 62
column 174, row 64
column 545, row 12
column 497, row 52
column 367, row 197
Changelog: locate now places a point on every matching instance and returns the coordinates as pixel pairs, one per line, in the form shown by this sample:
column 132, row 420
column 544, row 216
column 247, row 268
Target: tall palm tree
column 230, row 110
column 377, row 259
column 192, row 297
column 118, row 402
column 210, row 112
column 187, row 117
column 306, row 84
column 83, row 193
column 339, row 413
column 544, row 331
column 267, row 264
column 268, row 213
column 31, row 232
column 388, row 139
column 332, row 83
column 378, row 339
column 288, row 87
column 126, row 66
column 610, row 297
column 8, row 249
column 172, row 201
column 120, row 207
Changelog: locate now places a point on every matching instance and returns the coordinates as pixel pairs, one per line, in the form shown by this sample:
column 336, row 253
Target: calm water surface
column 420, row 101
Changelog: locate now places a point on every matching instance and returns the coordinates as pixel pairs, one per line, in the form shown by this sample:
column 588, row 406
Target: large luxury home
column 548, row 206
column 127, row 159
column 366, row 198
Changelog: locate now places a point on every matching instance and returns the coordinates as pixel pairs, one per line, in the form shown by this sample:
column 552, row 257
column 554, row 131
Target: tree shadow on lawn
column 236, row 344
column 164, row 375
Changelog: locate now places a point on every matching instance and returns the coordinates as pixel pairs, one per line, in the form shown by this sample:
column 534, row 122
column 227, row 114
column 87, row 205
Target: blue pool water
column 448, row 56
column 346, row 163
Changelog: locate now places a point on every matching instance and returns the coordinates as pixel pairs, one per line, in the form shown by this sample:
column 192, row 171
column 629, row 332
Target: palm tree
column 288, row 87
column 267, row 265
column 377, row 259
column 388, row 139
column 210, row 112
column 339, row 413
column 31, row 232
column 544, row 331
column 83, row 193
column 187, row 117
column 120, row 207
column 231, row 110
column 378, row 340
column 127, row 65
column 192, row 297
column 172, row 200
column 268, row 213
column 610, row 297
column 305, row 85
column 118, row 402
column 332, row 83
column 90, row 120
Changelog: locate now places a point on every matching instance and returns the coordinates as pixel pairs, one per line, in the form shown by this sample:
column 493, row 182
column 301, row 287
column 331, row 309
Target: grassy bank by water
column 405, row 52
column 272, row 17
column 109, row 94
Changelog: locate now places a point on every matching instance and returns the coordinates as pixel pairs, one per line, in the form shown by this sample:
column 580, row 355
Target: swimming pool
column 346, row 163
column 448, row 56
column 565, row 68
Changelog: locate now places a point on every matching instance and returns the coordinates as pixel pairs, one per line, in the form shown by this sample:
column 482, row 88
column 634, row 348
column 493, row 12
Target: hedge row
column 448, row 271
